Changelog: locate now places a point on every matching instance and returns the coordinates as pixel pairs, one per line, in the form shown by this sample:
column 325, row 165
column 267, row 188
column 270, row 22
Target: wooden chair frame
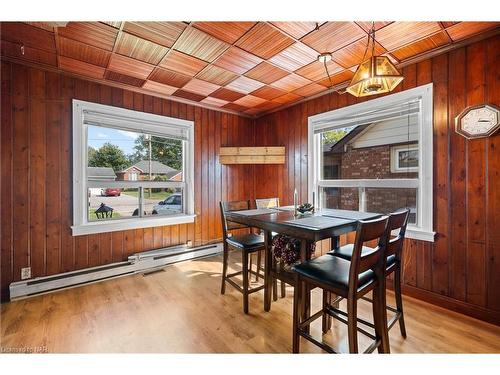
column 397, row 221
column 376, row 261
column 227, row 226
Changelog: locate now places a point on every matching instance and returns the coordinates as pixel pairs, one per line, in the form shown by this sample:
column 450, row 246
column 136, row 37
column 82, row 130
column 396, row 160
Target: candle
column 295, row 199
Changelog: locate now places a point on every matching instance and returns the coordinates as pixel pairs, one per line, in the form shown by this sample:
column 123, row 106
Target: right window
column 376, row 156
column 404, row 158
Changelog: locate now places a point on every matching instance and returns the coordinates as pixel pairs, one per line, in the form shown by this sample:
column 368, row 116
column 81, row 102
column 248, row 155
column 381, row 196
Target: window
column 404, row 159
column 330, row 171
column 381, row 151
column 130, row 169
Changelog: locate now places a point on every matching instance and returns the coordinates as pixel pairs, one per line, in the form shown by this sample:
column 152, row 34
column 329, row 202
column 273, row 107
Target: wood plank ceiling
column 247, row 67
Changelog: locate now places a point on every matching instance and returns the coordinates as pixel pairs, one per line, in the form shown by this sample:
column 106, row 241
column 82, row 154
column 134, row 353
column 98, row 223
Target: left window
column 130, row 169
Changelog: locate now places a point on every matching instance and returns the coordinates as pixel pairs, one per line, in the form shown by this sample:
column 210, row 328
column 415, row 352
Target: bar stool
column 270, row 203
column 247, row 243
column 397, row 221
column 351, row 280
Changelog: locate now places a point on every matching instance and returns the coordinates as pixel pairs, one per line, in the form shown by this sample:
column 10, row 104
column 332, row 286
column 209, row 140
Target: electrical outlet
column 189, row 243
column 25, row 273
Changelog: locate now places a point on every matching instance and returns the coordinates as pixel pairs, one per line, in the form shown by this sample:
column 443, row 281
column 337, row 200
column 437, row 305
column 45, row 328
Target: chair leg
column 259, row 262
column 327, row 319
column 399, row 300
column 352, row 324
column 224, row 268
column 296, row 315
column 244, row 262
column 250, row 263
column 275, row 284
column 380, row 319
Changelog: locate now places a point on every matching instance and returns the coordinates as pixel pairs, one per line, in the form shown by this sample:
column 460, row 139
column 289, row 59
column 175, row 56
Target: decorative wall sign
column 252, row 155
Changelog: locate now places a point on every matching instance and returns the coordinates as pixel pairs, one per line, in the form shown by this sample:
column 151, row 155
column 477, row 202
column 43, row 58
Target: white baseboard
column 138, row 263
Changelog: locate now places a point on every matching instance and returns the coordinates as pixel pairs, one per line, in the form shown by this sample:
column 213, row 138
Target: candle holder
column 306, row 208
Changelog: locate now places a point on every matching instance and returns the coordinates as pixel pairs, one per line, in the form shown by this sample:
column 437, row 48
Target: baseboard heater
column 144, row 262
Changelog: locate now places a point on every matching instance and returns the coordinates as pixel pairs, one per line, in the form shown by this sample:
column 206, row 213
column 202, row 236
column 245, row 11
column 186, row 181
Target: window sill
column 126, row 224
column 419, row 234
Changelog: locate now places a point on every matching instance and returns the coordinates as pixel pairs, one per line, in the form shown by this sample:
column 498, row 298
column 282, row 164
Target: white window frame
column 140, row 122
column 423, row 229
column 395, row 150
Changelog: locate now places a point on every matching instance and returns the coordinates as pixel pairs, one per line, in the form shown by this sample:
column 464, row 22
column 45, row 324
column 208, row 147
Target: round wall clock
column 478, row 121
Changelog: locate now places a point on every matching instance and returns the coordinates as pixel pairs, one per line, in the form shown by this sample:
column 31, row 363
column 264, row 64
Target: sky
column 97, row 136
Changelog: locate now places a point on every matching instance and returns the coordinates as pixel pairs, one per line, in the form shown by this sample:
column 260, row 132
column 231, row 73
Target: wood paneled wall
column 36, row 170
column 461, row 269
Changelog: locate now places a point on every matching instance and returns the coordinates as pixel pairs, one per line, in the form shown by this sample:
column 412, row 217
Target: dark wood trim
column 451, row 304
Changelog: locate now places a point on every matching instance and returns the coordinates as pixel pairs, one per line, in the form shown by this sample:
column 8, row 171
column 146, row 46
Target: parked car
column 170, row 205
column 111, row 192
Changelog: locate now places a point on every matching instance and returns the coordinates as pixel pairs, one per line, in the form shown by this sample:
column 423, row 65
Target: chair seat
column 250, row 241
column 332, row 271
column 345, row 252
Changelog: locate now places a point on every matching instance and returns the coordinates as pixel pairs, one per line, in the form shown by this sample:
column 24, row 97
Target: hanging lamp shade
column 376, row 75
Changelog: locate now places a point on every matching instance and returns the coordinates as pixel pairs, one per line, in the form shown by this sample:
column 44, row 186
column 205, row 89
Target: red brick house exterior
column 365, row 163
column 372, row 163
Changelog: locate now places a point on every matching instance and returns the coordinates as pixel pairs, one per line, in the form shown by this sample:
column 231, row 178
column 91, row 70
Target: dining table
column 307, row 228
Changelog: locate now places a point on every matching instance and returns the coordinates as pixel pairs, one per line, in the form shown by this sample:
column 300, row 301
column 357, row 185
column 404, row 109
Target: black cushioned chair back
column 227, row 226
column 369, row 231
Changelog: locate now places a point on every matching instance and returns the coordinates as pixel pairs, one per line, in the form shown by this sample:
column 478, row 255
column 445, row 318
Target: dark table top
column 312, row 227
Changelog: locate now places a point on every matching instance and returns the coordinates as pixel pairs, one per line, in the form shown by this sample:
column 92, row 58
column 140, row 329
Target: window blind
column 157, row 128
column 363, row 118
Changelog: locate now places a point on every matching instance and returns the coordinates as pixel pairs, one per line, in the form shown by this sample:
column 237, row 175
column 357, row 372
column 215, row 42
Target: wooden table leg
column 335, row 242
column 267, row 271
column 305, row 298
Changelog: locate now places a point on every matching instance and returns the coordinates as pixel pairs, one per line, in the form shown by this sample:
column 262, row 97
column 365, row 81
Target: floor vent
column 145, row 262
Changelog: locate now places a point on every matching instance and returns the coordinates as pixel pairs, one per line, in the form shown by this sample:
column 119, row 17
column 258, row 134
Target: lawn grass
column 154, row 195
column 93, row 216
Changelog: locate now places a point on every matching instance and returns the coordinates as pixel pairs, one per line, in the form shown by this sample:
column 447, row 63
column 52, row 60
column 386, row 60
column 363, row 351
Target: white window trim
column 149, row 122
column 395, row 168
column 423, row 230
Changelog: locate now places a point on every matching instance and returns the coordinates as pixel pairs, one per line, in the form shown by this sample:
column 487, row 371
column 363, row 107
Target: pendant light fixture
column 376, row 75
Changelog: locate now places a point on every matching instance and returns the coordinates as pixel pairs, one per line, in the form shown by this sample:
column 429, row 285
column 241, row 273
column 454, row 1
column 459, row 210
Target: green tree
column 336, row 135
column 108, row 155
column 166, row 151
column 91, row 151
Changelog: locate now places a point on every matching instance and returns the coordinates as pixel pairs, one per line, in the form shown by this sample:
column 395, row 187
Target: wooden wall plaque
column 252, row 155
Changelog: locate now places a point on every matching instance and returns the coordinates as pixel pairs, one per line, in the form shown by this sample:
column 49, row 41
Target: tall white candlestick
column 295, row 200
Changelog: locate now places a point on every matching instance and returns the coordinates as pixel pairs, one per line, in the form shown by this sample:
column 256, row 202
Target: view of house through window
column 376, row 151
column 120, row 166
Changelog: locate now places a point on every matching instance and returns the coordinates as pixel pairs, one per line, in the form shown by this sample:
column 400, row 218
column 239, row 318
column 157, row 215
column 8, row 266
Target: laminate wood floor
column 181, row 310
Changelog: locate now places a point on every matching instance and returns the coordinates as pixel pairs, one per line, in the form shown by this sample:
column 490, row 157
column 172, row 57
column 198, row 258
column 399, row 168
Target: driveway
column 124, row 204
